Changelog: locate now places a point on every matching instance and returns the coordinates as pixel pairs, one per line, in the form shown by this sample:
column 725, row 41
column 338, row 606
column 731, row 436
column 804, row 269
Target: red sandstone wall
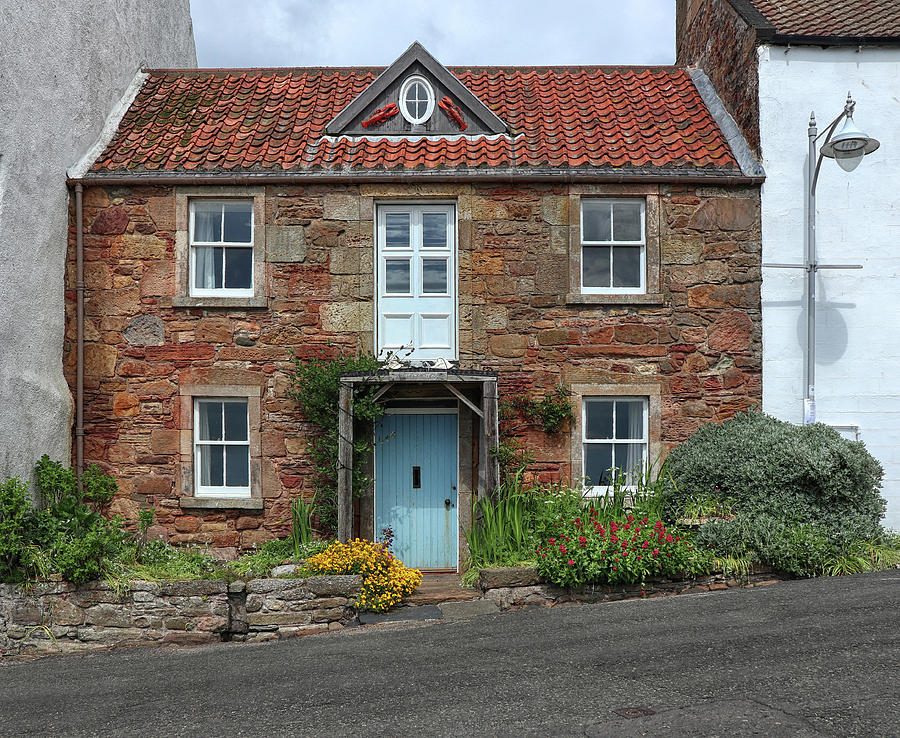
column 711, row 35
column 700, row 346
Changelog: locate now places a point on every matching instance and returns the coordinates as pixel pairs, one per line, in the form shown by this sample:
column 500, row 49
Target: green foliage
column 585, row 550
column 301, row 522
column 755, row 465
column 16, row 523
column 500, row 532
column 550, row 412
column 261, row 561
column 315, row 387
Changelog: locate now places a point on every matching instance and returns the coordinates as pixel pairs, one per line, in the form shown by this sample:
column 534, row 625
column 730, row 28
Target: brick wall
column 694, row 343
column 711, row 35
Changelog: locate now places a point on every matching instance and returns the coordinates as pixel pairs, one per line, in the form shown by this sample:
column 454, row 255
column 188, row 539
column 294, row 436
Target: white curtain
column 634, row 451
column 205, row 268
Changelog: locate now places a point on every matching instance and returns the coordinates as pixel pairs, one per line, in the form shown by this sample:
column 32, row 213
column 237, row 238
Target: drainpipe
column 79, row 323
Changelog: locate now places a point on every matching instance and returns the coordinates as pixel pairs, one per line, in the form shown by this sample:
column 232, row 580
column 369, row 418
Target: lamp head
column 850, row 145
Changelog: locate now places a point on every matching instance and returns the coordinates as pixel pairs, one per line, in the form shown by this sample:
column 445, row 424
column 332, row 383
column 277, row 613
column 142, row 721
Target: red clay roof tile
column 274, row 120
column 854, row 18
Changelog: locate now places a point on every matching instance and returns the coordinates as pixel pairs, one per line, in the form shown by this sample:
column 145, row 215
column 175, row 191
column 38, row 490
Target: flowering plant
column 386, row 580
column 628, row 550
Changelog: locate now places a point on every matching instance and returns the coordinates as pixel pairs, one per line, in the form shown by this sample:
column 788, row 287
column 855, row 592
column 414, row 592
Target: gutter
column 79, row 323
column 732, row 177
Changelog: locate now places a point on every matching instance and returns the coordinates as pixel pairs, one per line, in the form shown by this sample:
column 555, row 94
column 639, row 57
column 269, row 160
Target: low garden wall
column 62, row 617
column 515, row 587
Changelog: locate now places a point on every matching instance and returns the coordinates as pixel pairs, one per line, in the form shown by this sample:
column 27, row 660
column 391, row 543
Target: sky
column 299, row 33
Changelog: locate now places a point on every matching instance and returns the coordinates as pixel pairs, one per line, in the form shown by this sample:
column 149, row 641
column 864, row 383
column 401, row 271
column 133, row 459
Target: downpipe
column 79, row 327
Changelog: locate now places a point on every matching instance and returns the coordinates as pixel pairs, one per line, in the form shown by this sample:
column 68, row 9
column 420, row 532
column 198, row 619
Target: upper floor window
column 416, row 278
column 613, row 246
column 221, row 244
column 416, row 99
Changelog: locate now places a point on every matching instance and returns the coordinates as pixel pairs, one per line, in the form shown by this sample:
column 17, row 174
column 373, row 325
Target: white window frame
column 192, row 247
column 642, row 243
column 599, row 490
column 383, row 253
column 223, row 491
column 429, row 108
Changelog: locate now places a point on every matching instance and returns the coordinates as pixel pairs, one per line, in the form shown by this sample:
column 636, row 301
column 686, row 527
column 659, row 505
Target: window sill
column 219, row 302
column 650, row 298
column 221, row 503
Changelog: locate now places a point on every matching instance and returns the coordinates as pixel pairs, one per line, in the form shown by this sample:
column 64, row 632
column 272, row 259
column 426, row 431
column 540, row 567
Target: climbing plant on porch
column 315, row 387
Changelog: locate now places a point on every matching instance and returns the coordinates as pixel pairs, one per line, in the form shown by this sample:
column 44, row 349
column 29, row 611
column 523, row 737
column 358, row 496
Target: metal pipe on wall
column 79, row 325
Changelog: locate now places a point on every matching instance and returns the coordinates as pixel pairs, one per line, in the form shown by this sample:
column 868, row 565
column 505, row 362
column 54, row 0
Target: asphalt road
column 805, row 658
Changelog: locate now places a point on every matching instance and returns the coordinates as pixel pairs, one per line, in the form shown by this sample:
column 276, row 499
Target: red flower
column 669, row 538
column 552, row 540
column 562, row 548
column 570, row 562
column 582, row 540
column 656, row 552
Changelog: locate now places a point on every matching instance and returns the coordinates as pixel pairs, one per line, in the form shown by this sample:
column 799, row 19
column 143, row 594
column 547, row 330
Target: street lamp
column 847, row 148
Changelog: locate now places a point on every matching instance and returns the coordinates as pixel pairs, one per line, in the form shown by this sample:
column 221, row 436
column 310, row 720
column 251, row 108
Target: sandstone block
column 111, row 221
column 347, row 317
column 181, row 352
column 343, row 584
column 555, row 210
column 635, row 333
column 158, row 279
column 680, row 249
column 143, row 246
column 340, row 206
column 247, row 523
column 285, row 244
column 162, row 212
column 165, row 440
column 99, row 360
column 215, row 330
column 553, row 337
column 724, row 296
column 508, row 346
column 125, row 405
column 153, row 484
column 107, row 615
column 726, row 214
column 507, row 576
column 731, row 332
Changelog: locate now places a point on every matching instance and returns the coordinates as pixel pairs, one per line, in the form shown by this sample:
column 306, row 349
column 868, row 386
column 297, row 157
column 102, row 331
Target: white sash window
column 416, row 275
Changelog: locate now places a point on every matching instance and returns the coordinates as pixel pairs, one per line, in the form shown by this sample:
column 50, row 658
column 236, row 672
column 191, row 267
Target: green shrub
column 16, row 522
column 758, row 466
column 315, row 387
column 586, row 550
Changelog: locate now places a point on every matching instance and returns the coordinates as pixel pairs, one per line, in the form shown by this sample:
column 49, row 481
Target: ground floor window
column 221, row 447
column 614, row 440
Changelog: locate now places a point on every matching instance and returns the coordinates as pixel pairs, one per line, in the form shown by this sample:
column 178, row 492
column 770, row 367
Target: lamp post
column 847, row 148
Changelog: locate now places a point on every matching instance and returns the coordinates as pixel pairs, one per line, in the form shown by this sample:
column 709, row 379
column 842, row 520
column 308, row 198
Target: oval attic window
column 416, row 100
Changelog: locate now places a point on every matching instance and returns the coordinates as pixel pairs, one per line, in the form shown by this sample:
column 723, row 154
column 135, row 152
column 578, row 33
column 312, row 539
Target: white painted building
column 857, row 382
column 773, row 62
column 65, row 64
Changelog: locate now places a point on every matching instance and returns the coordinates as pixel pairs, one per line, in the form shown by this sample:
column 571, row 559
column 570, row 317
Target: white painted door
column 416, row 269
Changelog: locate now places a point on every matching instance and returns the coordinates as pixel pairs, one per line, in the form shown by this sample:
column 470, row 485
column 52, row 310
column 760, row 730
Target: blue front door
column 415, row 487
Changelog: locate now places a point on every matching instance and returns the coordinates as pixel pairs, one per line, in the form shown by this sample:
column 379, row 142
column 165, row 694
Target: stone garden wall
column 515, row 587
column 61, row 617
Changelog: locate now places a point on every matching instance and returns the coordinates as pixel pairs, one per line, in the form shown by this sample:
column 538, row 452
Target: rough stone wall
column 711, row 35
column 513, row 588
column 52, row 617
column 65, row 63
column 695, row 341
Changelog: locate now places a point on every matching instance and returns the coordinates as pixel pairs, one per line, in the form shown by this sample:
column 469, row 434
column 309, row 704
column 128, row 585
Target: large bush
column 754, row 464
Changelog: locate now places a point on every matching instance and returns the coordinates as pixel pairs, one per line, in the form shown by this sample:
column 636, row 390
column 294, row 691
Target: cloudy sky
column 268, row 33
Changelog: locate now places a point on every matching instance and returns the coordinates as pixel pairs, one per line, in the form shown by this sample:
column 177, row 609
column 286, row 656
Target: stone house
column 772, row 63
column 498, row 231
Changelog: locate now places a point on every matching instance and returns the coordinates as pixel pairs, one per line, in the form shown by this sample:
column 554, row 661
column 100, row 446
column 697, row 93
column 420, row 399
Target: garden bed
column 62, row 617
column 515, row 587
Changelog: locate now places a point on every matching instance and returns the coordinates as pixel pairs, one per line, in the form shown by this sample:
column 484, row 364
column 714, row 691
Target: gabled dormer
column 416, row 96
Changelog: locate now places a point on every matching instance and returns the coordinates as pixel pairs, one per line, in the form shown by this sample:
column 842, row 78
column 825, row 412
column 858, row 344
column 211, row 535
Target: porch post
column 488, row 439
column 345, row 463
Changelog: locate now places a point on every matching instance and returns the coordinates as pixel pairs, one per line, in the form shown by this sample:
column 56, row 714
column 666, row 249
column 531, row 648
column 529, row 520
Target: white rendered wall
column 858, row 221
column 64, row 64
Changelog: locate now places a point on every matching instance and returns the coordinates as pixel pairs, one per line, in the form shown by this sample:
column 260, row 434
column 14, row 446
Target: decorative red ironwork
column 381, row 115
column 453, row 112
